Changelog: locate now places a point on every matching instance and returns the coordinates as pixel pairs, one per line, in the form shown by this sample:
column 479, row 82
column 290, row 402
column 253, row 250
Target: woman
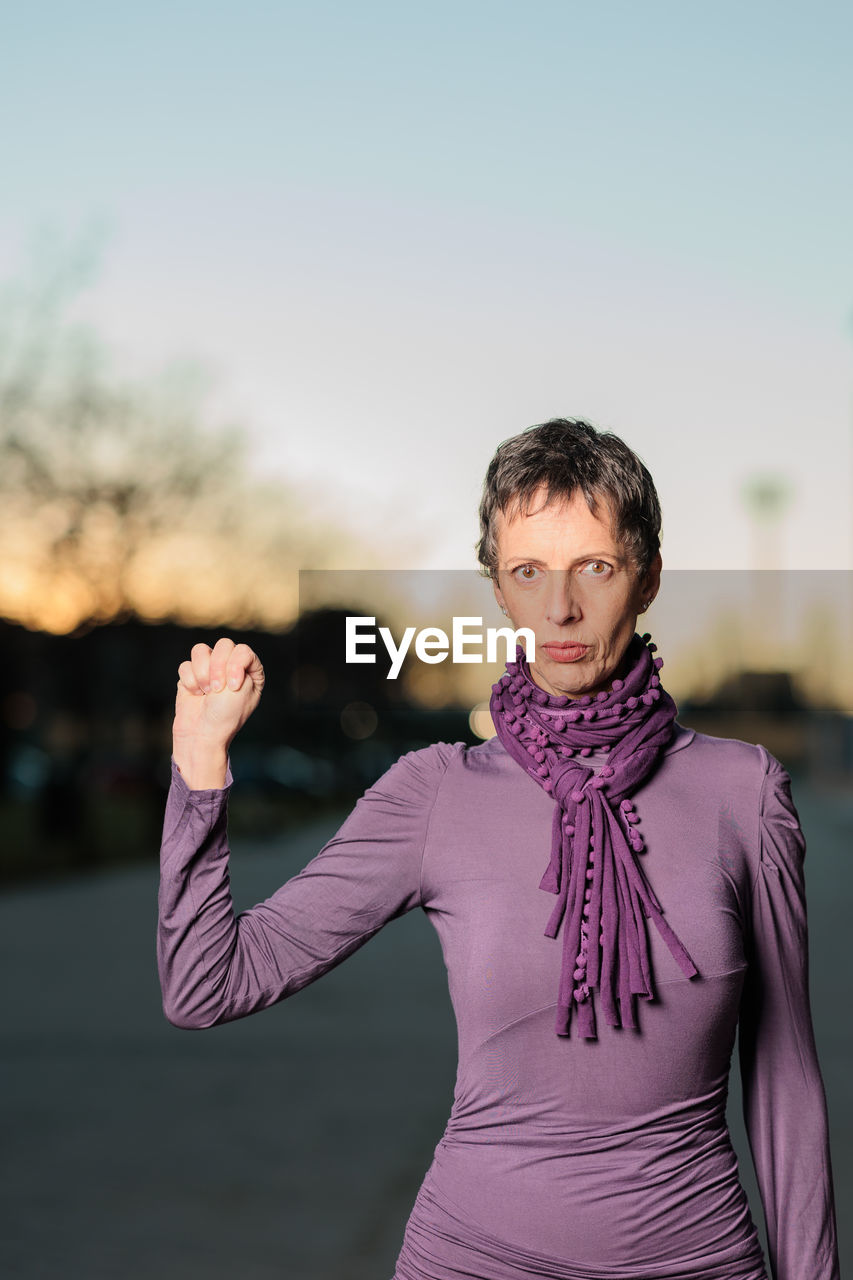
column 587, row 1138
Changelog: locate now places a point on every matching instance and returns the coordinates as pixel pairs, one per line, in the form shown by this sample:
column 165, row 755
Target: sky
column 395, row 235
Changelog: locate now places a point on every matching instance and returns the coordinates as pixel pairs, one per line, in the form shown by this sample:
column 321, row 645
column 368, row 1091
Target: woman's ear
column 499, row 596
column 651, row 579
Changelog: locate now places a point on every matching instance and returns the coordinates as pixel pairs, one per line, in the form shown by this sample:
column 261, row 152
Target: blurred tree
column 118, row 499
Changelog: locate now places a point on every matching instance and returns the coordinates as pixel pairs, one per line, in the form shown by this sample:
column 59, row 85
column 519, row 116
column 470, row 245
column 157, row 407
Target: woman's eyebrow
column 582, row 559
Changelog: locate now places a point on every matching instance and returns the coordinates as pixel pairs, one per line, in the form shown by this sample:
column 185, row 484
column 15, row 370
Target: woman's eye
column 597, row 569
column 526, row 573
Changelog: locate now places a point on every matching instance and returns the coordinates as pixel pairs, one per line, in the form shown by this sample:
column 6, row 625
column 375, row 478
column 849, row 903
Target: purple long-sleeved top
column 562, row 1157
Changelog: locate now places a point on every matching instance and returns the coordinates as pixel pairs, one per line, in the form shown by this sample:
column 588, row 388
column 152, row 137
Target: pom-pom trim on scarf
column 603, row 896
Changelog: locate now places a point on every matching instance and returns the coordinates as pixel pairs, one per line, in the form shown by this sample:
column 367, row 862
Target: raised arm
column 215, row 966
column 784, row 1100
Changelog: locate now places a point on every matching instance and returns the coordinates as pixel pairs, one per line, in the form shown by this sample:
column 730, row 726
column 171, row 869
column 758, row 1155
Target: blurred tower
column 767, row 498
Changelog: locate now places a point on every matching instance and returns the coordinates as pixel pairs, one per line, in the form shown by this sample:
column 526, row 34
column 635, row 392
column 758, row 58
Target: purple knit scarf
column 601, row 890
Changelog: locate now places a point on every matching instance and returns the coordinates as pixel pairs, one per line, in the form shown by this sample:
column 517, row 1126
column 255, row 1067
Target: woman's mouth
column 563, row 652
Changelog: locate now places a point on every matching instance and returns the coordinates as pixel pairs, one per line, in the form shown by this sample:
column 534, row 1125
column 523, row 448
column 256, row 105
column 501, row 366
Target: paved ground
column 286, row 1145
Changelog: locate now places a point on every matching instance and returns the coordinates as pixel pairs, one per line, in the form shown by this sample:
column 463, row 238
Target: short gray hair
column 564, row 455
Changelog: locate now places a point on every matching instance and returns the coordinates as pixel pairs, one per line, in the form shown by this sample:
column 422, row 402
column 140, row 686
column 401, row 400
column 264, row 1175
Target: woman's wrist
column 203, row 766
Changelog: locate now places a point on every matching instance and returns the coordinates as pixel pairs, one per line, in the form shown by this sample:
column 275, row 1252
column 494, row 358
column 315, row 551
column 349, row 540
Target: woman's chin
column 563, row 679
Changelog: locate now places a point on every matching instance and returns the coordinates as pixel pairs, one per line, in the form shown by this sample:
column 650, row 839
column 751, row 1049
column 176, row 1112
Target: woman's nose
column 563, row 602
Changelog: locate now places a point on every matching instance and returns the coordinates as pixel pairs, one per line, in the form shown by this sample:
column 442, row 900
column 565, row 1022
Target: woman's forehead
column 541, row 510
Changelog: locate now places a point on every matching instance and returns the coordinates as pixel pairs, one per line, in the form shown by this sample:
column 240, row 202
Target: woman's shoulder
column 461, row 765
column 418, row 772
column 433, row 755
column 734, row 760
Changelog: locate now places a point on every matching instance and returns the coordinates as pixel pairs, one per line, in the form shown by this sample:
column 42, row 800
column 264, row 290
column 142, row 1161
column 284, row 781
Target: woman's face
column 561, row 574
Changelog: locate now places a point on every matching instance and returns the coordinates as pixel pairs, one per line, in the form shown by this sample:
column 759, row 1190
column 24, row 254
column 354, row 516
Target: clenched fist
column 218, row 690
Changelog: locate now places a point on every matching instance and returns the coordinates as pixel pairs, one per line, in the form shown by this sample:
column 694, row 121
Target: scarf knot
column 603, row 896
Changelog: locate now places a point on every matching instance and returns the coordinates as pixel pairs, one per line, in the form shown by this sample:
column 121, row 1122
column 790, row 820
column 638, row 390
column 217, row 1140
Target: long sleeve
column 783, row 1094
column 215, row 966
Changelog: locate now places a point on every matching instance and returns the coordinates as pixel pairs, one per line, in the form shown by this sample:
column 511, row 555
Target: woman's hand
column 218, row 690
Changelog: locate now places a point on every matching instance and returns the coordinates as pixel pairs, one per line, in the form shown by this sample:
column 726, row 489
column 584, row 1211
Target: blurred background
column 275, row 281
